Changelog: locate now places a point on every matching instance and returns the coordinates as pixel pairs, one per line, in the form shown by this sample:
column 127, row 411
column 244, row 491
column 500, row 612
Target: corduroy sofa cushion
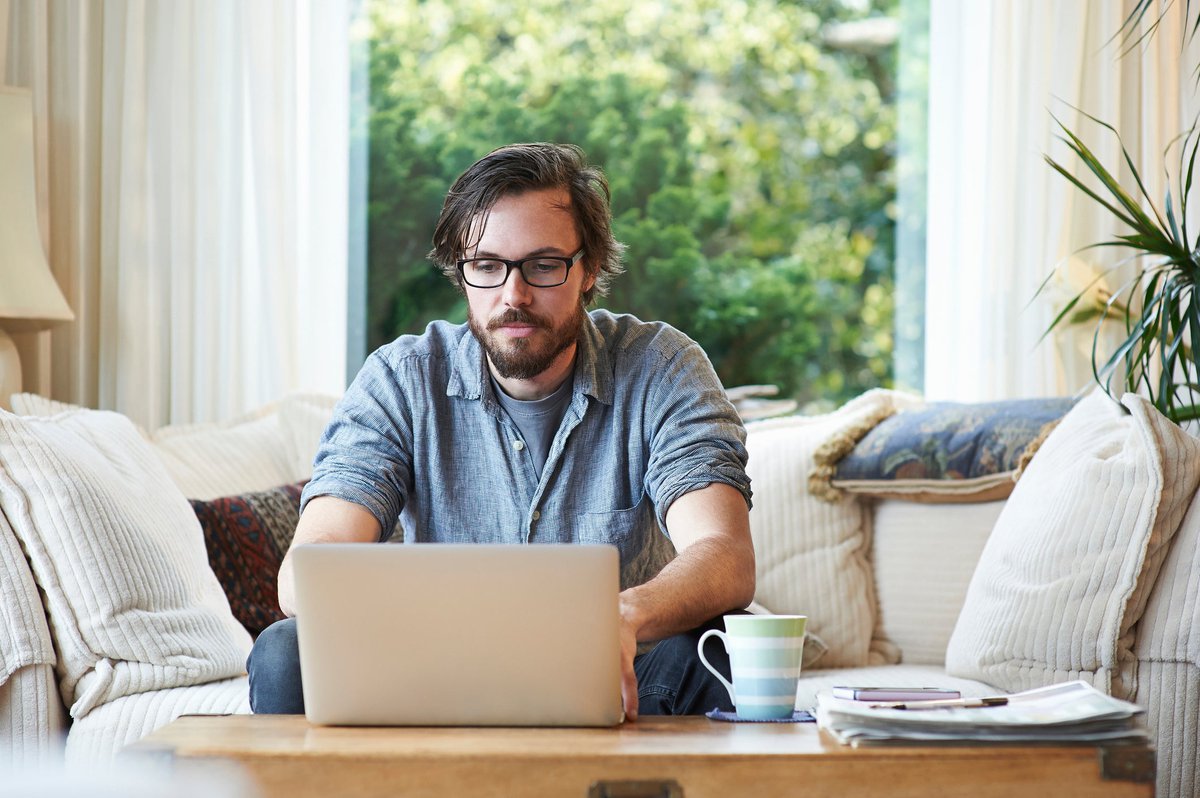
column 118, row 552
column 1068, row 569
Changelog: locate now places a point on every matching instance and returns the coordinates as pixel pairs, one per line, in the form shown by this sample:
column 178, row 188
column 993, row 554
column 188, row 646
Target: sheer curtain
column 999, row 218
column 192, row 167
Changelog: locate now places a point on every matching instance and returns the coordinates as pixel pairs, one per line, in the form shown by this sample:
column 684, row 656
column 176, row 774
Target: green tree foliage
column 751, row 168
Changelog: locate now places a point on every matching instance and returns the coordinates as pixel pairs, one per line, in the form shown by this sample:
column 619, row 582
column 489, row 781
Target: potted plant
column 1159, row 307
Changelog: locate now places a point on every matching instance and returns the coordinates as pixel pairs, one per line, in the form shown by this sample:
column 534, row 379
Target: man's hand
column 629, row 683
column 326, row 519
column 714, row 573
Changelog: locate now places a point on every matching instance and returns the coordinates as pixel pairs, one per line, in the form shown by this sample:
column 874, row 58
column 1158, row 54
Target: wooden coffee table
column 691, row 757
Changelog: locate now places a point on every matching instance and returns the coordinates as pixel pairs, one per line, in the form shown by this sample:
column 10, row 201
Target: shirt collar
column 467, row 368
column 593, row 367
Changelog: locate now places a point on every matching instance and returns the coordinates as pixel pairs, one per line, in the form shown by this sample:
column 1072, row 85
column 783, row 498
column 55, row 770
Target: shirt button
column 536, row 515
column 518, row 445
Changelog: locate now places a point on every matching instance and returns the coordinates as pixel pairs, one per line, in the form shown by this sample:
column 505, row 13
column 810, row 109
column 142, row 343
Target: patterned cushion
column 246, row 537
column 949, row 452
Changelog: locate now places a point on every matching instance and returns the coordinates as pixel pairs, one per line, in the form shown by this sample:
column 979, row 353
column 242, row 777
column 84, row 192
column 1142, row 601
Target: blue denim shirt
column 419, row 435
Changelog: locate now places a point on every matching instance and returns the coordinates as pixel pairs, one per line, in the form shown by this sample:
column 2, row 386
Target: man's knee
column 671, row 680
column 274, row 668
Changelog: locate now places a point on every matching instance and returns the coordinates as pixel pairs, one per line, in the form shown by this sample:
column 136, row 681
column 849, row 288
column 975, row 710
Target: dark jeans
column 671, row 678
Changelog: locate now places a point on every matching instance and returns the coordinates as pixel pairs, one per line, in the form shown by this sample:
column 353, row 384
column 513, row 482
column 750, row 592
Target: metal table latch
column 1128, row 763
column 650, row 788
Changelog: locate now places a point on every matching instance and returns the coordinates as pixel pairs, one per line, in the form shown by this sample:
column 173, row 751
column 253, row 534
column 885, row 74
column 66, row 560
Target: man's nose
column 517, row 292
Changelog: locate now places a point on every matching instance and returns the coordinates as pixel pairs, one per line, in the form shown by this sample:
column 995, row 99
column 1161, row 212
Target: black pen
column 949, row 703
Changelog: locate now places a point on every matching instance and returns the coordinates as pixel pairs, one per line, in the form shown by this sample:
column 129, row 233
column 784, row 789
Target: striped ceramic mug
column 764, row 654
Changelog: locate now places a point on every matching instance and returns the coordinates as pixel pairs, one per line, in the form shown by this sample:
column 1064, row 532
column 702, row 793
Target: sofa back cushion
column 1068, row 569
column 812, row 555
column 116, row 549
column 263, row 449
column 924, row 556
column 304, row 418
column 217, row 459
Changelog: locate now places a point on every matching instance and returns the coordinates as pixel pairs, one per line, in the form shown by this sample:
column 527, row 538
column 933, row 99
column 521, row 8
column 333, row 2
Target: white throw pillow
column 812, row 555
column 1070, row 564
column 132, row 602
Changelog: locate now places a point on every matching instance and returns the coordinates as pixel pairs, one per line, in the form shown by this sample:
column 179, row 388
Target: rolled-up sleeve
column 365, row 455
column 697, row 437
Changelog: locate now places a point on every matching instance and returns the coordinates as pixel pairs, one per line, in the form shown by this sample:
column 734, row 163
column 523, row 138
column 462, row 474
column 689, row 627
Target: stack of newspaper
column 1062, row 714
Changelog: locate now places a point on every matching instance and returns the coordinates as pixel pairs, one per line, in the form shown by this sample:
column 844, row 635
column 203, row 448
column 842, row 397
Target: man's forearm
column 713, row 574
column 326, row 520
column 711, row 577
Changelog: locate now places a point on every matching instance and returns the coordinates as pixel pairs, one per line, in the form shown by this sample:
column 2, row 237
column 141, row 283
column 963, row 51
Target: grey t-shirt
column 537, row 419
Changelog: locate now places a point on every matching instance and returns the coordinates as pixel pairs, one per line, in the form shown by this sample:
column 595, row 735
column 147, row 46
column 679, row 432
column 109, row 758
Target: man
column 539, row 422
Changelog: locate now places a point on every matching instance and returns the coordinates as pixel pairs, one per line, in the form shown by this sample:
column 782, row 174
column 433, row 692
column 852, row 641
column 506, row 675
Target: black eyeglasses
column 542, row 271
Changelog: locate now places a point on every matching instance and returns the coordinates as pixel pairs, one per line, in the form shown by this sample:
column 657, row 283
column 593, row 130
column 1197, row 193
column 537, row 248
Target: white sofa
column 882, row 581
column 267, row 448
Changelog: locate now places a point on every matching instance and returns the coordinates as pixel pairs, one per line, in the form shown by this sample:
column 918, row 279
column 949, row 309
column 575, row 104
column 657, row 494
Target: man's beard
column 525, row 358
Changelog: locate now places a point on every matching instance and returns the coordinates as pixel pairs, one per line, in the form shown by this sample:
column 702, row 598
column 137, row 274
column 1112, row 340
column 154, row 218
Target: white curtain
column 192, row 166
column 999, row 218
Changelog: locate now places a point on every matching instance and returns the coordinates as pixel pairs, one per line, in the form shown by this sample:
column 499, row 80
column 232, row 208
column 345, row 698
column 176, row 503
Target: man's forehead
column 556, row 198
column 552, row 201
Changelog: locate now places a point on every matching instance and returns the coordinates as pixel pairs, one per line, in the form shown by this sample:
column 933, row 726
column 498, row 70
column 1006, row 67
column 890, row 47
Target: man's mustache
column 516, row 316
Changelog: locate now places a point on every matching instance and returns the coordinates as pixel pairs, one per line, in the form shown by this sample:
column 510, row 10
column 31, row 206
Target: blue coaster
column 799, row 716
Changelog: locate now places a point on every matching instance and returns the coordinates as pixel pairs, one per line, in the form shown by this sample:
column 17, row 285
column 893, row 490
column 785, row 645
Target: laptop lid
column 459, row 635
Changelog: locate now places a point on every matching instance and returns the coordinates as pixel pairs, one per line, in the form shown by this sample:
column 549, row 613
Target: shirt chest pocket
column 644, row 549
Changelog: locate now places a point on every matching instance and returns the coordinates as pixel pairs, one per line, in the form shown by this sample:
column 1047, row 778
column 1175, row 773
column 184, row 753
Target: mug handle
column 705, row 662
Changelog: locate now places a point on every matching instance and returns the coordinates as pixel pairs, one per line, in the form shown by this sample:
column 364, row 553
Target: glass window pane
column 750, row 146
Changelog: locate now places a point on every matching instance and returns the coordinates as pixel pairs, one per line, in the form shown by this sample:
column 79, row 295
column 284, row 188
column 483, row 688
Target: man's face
column 525, row 330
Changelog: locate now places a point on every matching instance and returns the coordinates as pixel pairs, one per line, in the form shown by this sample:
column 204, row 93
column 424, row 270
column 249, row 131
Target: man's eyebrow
column 484, row 253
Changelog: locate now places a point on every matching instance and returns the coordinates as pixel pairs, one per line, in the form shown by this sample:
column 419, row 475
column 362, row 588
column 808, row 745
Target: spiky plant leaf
column 1162, row 321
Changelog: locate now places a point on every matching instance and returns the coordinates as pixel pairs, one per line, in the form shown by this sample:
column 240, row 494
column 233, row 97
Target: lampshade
column 30, row 300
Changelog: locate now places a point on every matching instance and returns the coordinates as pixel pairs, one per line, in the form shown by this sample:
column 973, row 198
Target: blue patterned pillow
column 949, row 452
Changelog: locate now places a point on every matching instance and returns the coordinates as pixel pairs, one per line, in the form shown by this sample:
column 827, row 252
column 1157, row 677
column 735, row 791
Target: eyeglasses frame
column 519, row 265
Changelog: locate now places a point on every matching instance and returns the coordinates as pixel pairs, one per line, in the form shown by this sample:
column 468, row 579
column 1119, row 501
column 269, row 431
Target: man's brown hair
column 514, row 170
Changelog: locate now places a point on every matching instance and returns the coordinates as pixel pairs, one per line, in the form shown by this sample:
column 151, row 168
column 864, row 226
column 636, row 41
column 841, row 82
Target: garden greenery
column 751, row 166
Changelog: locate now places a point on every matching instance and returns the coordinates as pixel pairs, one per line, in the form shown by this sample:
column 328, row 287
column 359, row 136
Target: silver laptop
column 459, row 635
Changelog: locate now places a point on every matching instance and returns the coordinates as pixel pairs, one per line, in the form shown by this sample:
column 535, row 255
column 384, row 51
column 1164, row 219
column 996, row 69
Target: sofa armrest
column 32, row 718
column 33, row 721
column 1168, row 668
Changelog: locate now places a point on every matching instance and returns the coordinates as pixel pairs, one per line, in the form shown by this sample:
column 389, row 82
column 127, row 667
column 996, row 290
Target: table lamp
column 30, row 300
